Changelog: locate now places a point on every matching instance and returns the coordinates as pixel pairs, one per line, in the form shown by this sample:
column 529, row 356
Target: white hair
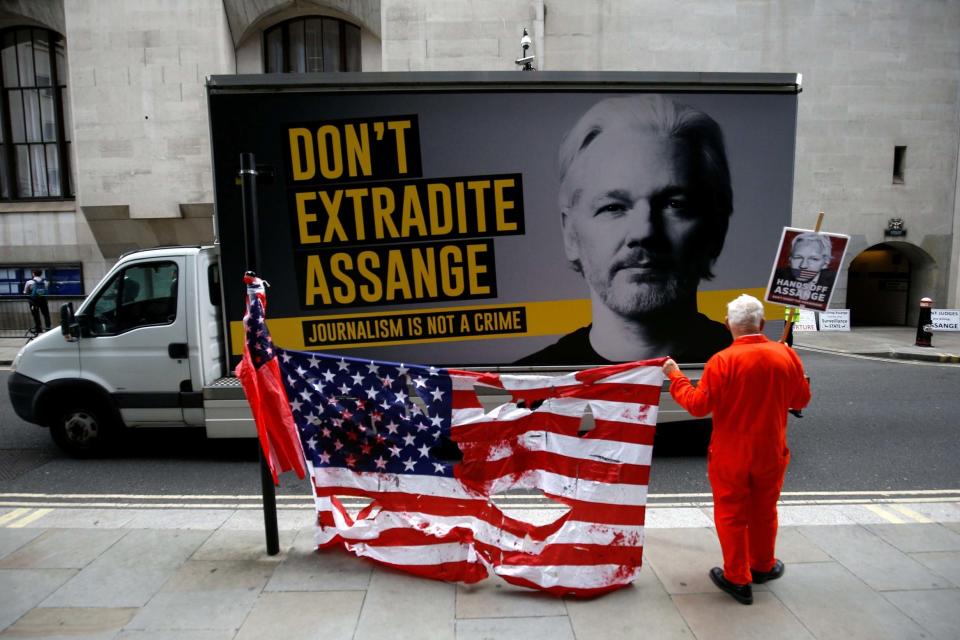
column 812, row 237
column 745, row 313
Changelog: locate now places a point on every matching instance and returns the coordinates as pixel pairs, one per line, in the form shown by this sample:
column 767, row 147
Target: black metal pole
column 251, row 242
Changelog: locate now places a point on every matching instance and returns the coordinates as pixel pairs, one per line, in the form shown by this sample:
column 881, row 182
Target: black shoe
column 742, row 593
column 759, row 577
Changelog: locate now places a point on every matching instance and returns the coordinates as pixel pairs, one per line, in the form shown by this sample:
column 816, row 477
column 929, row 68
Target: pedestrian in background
column 36, row 290
column 749, row 387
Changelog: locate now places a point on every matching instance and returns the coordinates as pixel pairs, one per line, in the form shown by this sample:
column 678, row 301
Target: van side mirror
column 69, row 326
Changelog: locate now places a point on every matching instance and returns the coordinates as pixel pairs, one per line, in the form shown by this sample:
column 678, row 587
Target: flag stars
column 342, row 365
column 314, row 362
column 437, row 395
column 420, row 381
column 305, row 395
column 387, row 380
column 324, row 457
column 357, row 379
column 371, row 393
column 381, row 463
column 424, row 451
column 439, row 467
column 344, row 388
column 408, row 464
column 409, row 440
column 373, row 368
column 328, row 375
column 401, row 397
column 394, row 451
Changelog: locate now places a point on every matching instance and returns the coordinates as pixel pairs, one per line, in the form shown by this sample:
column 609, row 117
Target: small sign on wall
column 835, row 320
column 945, row 319
column 807, row 321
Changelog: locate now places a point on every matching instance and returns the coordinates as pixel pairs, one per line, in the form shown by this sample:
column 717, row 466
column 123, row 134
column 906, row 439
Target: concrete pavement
column 871, row 566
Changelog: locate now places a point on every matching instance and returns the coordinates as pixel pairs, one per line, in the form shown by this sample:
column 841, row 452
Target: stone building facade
column 877, row 141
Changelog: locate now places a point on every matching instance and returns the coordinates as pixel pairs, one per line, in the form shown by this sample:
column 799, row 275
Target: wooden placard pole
column 788, row 325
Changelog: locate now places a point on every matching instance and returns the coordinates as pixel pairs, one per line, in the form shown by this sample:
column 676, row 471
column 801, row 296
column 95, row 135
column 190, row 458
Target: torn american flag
column 384, row 430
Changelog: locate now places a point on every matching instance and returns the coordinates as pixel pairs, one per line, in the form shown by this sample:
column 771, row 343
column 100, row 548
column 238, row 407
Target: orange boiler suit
column 749, row 386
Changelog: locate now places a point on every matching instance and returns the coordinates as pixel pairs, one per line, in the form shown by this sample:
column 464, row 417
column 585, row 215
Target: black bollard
column 925, row 324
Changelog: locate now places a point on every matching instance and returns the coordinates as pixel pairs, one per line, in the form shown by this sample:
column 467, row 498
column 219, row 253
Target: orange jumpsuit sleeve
column 702, row 399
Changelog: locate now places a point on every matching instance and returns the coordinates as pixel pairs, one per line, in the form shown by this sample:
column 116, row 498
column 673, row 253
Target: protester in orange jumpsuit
column 749, row 386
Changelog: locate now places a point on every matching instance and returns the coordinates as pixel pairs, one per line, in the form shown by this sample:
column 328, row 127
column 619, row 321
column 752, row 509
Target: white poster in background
column 807, row 321
column 945, row 319
column 835, row 320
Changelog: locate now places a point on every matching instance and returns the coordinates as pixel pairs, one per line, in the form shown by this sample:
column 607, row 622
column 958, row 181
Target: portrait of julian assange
column 645, row 201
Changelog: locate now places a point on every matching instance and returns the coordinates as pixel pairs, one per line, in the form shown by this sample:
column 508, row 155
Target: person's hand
column 669, row 367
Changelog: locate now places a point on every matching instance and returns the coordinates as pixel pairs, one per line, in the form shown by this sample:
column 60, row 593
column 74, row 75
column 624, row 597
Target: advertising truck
column 536, row 222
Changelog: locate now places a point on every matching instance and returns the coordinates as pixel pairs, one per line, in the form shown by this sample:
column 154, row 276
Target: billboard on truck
column 502, row 218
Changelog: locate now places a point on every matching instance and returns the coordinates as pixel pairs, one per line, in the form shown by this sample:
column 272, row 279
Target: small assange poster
column 805, row 270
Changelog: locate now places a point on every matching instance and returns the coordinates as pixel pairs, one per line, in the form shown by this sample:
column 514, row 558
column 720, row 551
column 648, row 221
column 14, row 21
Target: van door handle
column 178, row 350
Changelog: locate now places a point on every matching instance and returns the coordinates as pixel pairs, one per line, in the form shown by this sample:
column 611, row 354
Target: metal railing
column 15, row 318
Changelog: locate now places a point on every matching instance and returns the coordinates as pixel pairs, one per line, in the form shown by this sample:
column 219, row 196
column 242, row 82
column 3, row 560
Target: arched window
column 307, row 45
column 34, row 148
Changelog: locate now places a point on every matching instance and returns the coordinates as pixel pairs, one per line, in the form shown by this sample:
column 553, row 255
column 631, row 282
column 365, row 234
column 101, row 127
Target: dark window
column 140, row 295
column 34, row 149
column 62, row 279
column 899, row 164
column 308, row 45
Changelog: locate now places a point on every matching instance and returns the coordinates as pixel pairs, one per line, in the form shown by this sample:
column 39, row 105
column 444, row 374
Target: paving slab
column 55, row 623
column 943, row 563
column 942, row 512
column 555, row 628
column 642, row 610
column 716, row 616
column 403, row 606
column 331, row 615
column 677, row 518
column 306, row 569
column 495, row 598
column 130, row 572
column 287, row 519
column 209, row 519
column 953, row 526
column 236, row 545
column 13, row 539
column 801, row 514
column 681, row 558
column 935, row 611
column 916, row 538
column 80, row 518
column 23, row 589
column 62, row 549
column 876, row 562
column 205, row 595
column 833, row 604
column 793, row 546
column 184, row 634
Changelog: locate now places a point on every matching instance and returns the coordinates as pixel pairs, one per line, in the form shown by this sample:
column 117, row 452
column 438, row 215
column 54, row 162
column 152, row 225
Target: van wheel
column 82, row 430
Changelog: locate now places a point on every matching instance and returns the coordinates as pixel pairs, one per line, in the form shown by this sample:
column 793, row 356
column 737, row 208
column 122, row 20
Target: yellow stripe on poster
column 713, row 304
column 452, row 324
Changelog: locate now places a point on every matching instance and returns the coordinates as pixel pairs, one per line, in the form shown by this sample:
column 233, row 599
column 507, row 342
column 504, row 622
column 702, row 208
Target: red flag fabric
column 259, row 375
